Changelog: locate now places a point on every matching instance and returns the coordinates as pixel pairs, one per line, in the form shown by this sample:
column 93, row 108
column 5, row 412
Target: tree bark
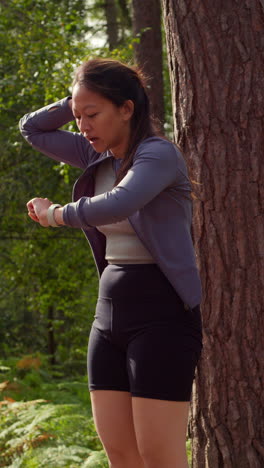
column 111, row 23
column 216, row 59
column 146, row 21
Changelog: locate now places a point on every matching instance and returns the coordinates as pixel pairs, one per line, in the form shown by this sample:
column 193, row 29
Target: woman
column 133, row 203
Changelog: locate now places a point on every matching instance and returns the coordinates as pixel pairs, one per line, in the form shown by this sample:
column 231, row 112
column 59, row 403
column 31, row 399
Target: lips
column 93, row 139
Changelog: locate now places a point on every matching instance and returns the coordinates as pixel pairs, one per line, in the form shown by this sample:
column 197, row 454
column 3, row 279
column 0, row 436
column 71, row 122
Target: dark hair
column 119, row 82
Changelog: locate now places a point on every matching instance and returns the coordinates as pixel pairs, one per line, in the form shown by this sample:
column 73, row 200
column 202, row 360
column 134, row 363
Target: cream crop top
column 122, row 243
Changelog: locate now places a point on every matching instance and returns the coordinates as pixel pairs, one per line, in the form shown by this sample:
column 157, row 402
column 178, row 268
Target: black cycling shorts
column 142, row 340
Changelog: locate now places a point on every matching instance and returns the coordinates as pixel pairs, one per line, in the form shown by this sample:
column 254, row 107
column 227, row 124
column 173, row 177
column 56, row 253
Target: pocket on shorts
column 103, row 317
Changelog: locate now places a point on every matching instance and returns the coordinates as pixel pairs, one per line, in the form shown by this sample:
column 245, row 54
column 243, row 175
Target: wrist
column 54, row 219
column 58, row 216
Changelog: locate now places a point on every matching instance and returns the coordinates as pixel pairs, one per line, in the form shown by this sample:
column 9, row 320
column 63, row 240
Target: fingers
column 37, row 210
column 33, row 216
column 31, row 210
column 30, row 206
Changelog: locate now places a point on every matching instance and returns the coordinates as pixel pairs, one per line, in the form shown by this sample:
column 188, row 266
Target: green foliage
column 189, row 451
column 39, row 433
column 40, row 43
column 45, row 421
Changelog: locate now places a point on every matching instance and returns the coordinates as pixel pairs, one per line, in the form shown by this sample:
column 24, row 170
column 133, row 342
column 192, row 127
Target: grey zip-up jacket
column 154, row 196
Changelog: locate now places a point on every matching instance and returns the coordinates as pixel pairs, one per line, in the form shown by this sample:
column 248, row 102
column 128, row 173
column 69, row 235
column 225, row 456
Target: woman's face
column 103, row 124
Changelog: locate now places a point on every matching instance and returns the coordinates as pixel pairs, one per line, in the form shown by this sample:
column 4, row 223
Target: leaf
column 7, row 401
column 29, row 362
column 3, row 385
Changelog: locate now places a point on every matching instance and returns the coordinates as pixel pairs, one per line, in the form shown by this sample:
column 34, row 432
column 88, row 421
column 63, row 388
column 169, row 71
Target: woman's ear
column 127, row 109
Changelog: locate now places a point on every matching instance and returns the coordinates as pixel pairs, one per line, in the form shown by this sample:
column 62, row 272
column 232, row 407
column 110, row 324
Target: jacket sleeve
column 41, row 130
column 157, row 166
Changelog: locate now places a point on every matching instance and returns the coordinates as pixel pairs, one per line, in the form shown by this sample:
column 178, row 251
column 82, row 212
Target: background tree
column 125, row 15
column 146, row 20
column 111, row 23
column 216, row 64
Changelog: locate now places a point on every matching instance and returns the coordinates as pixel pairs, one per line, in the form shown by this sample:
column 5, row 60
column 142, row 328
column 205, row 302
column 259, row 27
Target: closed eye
column 91, row 116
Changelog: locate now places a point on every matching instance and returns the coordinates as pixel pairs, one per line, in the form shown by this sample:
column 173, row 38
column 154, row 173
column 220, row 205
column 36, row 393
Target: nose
column 84, row 126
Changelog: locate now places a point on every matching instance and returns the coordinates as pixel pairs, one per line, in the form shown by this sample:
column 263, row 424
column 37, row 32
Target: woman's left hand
column 37, row 210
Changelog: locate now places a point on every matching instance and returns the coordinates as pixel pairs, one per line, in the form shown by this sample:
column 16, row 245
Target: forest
column 205, row 71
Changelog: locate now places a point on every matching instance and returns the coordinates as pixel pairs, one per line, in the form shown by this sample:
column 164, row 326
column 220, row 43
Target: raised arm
column 41, row 130
column 158, row 166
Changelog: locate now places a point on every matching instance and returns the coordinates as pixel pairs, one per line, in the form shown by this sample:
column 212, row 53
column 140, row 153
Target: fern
column 96, row 460
column 40, row 434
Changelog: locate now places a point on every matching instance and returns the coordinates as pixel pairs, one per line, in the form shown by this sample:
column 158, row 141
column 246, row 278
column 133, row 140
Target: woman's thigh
column 161, row 428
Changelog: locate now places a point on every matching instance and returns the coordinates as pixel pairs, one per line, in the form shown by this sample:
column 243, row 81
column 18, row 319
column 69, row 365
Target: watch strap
column 50, row 215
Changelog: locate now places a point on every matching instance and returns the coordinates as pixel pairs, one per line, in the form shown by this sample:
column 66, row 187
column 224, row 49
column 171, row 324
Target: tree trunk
column 217, row 74
column 125, row 14
column 51, row 338
column 111, row 23
column 146, row 20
